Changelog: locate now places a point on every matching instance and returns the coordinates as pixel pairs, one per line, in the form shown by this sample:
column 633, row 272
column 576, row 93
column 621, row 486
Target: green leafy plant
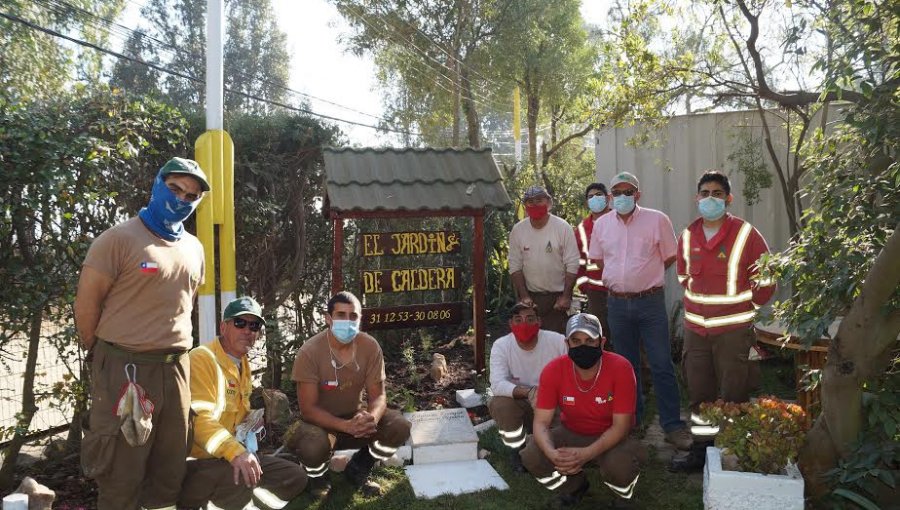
column 765, row 435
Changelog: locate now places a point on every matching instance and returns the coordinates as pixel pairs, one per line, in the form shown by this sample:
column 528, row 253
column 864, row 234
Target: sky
column 314, row 29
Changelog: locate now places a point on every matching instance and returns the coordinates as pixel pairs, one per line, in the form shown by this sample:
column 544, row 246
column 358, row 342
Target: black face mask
column 585, row 356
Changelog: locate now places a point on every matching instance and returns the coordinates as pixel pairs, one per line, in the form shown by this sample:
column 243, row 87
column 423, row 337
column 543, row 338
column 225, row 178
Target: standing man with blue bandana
column 133, row 313
column 333, row 370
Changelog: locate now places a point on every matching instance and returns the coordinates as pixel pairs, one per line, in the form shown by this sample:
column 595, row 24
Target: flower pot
column 736, row 490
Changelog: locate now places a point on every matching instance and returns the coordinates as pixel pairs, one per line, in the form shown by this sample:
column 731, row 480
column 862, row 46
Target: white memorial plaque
column 443, row 435
column 463, row 477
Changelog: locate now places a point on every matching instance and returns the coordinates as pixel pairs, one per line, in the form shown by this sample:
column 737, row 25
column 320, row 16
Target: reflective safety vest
column 590, row 277
column 220, row 398
column 721, row 291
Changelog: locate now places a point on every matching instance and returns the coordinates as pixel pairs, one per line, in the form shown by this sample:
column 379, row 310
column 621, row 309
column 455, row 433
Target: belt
column 635, row 295
column 145, row 357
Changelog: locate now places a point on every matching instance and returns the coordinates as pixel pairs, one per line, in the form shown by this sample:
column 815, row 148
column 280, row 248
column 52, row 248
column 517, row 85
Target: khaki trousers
column 147, row 476
column 717, row 366
column 513, row 417
column 619, row 466
column 551, row 319
column 212, row 481
column 596, row 305
column 315, row 445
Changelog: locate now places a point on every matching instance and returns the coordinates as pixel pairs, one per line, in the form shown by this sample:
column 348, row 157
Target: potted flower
column 753, row 463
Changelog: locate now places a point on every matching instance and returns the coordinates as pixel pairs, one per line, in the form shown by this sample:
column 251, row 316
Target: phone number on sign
column 410, row 316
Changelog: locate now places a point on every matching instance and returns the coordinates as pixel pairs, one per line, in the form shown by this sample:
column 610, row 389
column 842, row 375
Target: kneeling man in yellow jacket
column 224, row 470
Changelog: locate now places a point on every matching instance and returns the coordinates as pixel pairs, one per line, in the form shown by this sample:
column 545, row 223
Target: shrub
column 764, row 434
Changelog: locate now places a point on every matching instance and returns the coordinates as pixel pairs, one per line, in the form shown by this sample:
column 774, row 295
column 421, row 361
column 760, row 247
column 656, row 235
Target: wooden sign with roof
column 414, row 184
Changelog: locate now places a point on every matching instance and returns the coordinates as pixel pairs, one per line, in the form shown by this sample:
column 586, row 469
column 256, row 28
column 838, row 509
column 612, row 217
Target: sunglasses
column 627, row 192
column 255, row 326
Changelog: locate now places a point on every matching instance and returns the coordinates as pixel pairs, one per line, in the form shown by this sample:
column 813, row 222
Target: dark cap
column 184, row 166
column 586, row 323
column 242, row 306
column 535, row 192
column 518, row 307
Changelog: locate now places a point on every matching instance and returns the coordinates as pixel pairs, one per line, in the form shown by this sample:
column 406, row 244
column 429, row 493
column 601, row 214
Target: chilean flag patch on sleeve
column 149, row 267
column 568, row 401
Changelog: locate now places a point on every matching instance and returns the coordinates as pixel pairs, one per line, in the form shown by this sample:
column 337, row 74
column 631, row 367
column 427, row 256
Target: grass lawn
column 657, row 489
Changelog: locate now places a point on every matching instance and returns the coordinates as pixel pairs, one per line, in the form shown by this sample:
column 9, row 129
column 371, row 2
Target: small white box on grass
column 469, row 398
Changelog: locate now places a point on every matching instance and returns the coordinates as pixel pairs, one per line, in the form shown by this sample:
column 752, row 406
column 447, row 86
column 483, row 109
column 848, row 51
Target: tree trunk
column 29, row 406
column 860, row 351
column 472, row 124
column 533, row 109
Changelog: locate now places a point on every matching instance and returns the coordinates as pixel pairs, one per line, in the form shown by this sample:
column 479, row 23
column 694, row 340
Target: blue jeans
column 644, row 318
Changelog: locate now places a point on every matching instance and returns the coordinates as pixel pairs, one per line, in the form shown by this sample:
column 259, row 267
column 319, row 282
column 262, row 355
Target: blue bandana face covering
column 165, row 212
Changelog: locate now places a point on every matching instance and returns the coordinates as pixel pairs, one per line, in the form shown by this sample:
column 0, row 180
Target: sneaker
column 570, row 500
column 319, row 487
column 690, row 462
column 370, row 489
column 515, row 462
column 681, row 438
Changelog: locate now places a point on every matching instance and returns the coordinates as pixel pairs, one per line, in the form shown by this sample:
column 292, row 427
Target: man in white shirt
column 543, row 260
column 517, row 360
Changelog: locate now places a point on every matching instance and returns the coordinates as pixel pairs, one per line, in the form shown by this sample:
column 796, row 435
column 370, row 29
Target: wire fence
column 51, row 372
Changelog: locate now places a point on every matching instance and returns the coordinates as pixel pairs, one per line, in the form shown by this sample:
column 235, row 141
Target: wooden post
column 337, row 251
column 478, row 297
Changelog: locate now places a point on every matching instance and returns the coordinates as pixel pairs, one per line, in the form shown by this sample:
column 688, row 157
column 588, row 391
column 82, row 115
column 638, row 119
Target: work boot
column 680, row 438
column 319, row 486
column 358, row 470
column 692, row 461
column 515, row 462
column 570, row 500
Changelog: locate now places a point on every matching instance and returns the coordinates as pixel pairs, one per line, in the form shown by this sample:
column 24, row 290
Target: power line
column 126, row 32
column 116, row 54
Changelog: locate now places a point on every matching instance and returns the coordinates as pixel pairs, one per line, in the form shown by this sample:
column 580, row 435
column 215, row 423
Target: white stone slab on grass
column 443, row 435
column 462, row 477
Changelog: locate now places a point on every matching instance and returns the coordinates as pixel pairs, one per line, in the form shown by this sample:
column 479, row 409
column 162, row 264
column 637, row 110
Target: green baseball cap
column 242, row 306
column 185, row 167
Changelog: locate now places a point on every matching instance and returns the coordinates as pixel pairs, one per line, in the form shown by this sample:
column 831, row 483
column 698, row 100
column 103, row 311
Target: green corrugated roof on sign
column 412, row 179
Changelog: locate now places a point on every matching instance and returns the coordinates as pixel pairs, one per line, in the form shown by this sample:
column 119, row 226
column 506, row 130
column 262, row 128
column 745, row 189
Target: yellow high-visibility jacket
column 220, row 397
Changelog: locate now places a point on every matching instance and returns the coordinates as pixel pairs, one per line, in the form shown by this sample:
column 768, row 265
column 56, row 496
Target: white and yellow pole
column 214, row 152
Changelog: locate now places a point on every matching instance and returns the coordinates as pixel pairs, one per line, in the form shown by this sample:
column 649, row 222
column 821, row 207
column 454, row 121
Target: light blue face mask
column 711, row 208
column 623, row 204
column 344, row 330
column 597, row 203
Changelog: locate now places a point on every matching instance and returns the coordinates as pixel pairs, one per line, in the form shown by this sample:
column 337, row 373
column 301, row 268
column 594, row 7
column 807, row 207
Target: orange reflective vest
column 589, row 275
column 719, row 276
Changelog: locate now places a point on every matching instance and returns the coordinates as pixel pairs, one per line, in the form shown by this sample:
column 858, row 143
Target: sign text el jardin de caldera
column 397, row 280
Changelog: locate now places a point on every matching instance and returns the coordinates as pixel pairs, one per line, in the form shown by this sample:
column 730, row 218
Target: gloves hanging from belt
column 134, row 409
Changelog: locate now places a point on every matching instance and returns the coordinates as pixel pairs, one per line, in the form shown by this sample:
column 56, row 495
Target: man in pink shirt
column 633, row 249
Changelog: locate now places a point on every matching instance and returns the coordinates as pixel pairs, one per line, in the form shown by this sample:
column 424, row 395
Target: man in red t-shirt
column 595, row 393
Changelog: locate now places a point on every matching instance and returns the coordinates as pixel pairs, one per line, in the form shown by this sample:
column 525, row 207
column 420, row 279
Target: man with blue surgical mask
column 717, row 266
column 633, row 248
column 590, row 278
column 133, row 313
column 332, row 369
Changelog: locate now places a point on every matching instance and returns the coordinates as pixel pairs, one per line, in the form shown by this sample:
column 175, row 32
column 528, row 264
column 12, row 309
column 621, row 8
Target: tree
column 432, row 60
column 33, row 64
column 65, row 160
column 283, row 247
column 256, row 60
column 843, row 262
